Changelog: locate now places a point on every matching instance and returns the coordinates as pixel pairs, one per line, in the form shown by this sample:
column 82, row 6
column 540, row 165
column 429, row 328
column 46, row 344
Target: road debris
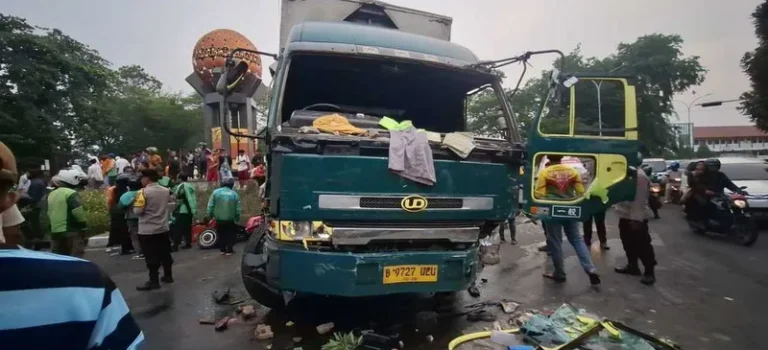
column 480, row 315
column 206, row 320
column 509, row 306
column 263, row 332
column 728, row 298
column 220, row 295
column 246, row 311
column 221, row 324
column 324, row 328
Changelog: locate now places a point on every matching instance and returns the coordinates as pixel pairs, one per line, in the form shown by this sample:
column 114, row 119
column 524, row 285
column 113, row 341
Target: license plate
column 410, row 274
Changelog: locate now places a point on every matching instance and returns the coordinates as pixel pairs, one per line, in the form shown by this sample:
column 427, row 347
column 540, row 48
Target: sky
column 159, row 35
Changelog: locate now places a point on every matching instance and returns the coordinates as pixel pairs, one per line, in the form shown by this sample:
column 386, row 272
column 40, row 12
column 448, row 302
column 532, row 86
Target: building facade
column 731, row 139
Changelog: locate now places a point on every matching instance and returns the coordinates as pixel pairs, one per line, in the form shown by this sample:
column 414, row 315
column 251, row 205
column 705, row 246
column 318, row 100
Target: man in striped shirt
column 51, row 301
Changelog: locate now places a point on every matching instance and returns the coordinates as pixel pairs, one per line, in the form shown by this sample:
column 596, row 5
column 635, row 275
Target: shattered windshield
column 432, row 97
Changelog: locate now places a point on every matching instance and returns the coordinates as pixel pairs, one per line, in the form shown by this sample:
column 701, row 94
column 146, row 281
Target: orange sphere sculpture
column 212, row 49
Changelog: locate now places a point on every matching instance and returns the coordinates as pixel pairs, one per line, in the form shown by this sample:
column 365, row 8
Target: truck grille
column 394, row 203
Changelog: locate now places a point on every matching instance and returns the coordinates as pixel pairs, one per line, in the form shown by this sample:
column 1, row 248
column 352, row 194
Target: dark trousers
column 227, row 231
column 599, row 219
column 637, row 244
column 157, row 252
column 512, row 229
column 118, row 232
column 182, row 229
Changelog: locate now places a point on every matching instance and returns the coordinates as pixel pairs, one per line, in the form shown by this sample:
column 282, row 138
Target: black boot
column 649, row 277
column 149, row 285
column 628, row 270
column 167, row 274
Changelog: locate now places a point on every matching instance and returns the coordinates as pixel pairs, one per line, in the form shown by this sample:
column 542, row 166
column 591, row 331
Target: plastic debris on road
column 567, row 323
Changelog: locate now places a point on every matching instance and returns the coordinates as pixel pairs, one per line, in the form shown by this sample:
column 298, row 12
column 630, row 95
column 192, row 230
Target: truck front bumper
column 290, row 267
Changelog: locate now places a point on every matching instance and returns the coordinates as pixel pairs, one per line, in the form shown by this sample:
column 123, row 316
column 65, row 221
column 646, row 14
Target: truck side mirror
column 231, row 77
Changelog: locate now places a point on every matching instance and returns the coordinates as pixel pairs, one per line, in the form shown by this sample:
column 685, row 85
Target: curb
column 98, row 241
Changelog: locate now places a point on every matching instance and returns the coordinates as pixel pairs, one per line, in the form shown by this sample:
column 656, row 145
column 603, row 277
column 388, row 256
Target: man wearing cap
column 151, row 205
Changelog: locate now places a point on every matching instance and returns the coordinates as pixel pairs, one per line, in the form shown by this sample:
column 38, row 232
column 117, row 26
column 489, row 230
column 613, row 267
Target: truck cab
column 339, row 222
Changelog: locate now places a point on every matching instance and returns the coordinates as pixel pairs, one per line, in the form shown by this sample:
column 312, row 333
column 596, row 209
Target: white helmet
column 69, row 177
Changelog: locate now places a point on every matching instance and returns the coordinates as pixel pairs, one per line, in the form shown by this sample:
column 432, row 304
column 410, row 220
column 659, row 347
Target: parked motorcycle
column 731, row 220
column 207, row 237
column 654, row 200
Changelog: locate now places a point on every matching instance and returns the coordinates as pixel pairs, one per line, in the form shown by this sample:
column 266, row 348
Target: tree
column 60, row 100
column 704, row 152
column 48, row 83
column 755, row 64
column 660, row 70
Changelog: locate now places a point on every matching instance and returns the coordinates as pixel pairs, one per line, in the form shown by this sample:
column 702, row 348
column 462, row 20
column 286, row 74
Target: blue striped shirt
column 50, row 301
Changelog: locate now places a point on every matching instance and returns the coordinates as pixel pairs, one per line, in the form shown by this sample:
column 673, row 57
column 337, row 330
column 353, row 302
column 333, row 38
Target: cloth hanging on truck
column 410, row 156
column 335, row 123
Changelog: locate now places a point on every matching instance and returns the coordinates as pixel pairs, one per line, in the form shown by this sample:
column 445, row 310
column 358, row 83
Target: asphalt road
column 709, row 295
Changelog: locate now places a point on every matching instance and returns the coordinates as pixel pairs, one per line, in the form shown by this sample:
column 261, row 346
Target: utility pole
column 690, row 124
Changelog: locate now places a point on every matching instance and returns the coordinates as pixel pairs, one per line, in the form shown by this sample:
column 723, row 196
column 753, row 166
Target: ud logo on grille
column 413, row 203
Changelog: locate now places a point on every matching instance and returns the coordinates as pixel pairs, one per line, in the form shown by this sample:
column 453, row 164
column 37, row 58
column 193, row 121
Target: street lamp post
column 689, row 105
column 690, row 124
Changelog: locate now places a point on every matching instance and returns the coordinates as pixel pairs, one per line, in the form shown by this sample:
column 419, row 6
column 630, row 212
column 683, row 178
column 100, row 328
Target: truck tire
column 254, row 279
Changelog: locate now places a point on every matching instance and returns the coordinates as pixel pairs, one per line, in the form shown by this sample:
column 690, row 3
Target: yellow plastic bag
column 334, row 123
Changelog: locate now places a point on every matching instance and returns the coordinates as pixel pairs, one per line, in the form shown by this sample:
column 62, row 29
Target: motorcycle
column 731, row 220
column 675, row 191
column 207, row 237
column 654, row 200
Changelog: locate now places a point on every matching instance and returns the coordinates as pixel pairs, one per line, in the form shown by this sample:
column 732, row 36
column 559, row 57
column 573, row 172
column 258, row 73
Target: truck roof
column 364, row 35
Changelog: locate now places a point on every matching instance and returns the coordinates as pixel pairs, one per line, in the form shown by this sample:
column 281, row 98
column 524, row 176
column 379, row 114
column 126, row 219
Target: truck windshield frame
column 462, row 80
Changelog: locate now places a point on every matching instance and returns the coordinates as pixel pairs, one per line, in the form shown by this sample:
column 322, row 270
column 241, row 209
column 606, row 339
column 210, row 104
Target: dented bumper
column 292, row 268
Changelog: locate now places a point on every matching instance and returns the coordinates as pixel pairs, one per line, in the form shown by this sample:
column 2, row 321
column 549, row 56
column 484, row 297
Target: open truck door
column 591, row 122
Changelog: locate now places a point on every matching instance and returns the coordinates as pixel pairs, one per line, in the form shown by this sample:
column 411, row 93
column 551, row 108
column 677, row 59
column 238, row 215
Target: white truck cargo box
column 371, row 12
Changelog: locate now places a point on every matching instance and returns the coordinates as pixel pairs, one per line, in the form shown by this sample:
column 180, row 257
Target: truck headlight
column 740, row 203
column 301, row 230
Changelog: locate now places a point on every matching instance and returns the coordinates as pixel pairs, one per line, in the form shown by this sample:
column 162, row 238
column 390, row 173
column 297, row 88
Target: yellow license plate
column 410, row 274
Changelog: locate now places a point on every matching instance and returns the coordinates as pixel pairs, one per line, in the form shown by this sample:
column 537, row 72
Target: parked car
column 751, row 173
column 658, row 167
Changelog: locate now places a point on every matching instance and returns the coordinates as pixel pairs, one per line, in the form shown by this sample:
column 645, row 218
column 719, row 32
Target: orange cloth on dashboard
column 334, row 123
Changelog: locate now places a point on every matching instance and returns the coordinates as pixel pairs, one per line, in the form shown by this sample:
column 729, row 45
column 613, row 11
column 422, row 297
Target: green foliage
column 755, row 64
column 346, row 341
column 704, row 152
column 656, row 61
column 95, row 204
column 60, row 100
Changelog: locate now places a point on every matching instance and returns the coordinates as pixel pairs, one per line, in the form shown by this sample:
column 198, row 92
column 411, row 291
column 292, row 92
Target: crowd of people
column 201, row 163
column 150, row 202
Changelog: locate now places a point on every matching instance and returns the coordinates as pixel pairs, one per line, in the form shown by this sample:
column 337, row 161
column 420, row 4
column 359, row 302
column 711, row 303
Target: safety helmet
column 228, row 182
column 152, row 149
column 69, row 177
column 674, row 166
column 712, row 163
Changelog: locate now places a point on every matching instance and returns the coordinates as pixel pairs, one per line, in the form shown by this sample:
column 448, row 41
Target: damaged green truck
column 340, row 222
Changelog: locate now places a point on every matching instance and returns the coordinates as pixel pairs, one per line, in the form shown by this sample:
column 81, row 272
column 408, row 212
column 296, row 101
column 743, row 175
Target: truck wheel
column 207, row 239
column 255, row 278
